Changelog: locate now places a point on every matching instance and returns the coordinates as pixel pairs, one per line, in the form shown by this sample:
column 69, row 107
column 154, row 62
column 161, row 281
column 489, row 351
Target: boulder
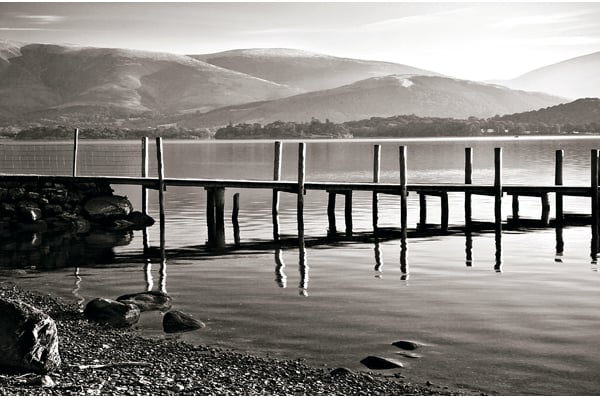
column 107, row 208
column 111, row 312
column 29, row 211
column 148, row 301
column 406, row 345
column 16, row 194
column 140, row 220
column 379, row 363
column 52, row 210
column 7, row 209
column 28, row 338
column 178, row 322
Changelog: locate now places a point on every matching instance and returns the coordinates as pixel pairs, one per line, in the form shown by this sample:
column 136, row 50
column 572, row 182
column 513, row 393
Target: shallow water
column 529, row 329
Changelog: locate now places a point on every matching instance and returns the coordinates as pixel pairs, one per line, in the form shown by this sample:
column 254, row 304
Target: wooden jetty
column 215, row 191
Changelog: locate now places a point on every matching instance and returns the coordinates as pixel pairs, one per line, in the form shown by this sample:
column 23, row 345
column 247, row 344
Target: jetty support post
column 376, row 178
column 235, row 218
column 210, row 217
column 558, row 180
column 161, row 189
column 348, row 212
column 498, row 188
column 468, row 181
column 301, row 193
column 215, row 216
column 332, row 229
column 545, row 209
column 422, row 211
column 275, row 201
column 403, row 191
column 594, row 194
column 144, row 174
column 75, row 149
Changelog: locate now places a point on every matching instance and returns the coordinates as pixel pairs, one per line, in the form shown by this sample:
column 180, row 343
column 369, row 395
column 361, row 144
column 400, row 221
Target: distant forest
column 548, row 121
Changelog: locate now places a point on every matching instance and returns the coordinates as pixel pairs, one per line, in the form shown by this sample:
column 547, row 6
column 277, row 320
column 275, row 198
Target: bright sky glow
column 475, row 41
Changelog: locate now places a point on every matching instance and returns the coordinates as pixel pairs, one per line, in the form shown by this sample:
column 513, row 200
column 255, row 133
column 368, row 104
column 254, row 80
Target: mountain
column 51, row 79
column 573, row 78
column 382, row 96
column 579, row 112
column 305, row 70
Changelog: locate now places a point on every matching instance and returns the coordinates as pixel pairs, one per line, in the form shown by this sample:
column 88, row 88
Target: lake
column 529, row 329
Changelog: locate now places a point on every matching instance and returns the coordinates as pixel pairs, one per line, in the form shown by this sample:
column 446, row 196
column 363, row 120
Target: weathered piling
column 219, row 195
column 234, row 218
column 376, row 177
column 594, row 209
column 75, row 148
column 348, row 212
column 332, row 228
column 211, row 225
column 403, row 191
column 558, row 180
column 468, row 181
column 275, row 201
column 301, row 192
column 161, row 189
column 498, row 188
column 144, row 174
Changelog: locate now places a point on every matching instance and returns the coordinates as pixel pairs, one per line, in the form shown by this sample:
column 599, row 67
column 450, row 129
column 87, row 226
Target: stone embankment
column 97, row 359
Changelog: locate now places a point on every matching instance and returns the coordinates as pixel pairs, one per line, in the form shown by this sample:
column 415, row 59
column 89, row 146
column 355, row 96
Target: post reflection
column 378, row 261
column 468, row 247
column 403, row 262
column 77, row 287
column 560, row 244
column 498, row 241
column 280, row 276
column 148, row 275
column 303, row 269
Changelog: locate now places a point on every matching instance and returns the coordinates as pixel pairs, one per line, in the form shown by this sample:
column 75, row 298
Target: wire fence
column 93, row 158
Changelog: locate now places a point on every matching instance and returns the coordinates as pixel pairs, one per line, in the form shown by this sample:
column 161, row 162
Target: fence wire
column 93, row 159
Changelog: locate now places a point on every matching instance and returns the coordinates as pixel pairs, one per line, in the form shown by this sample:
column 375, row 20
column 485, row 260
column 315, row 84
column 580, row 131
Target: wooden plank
column 275, row 201
column 75, row 149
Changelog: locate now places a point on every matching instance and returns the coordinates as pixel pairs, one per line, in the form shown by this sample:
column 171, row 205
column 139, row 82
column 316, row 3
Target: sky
column 474, row 41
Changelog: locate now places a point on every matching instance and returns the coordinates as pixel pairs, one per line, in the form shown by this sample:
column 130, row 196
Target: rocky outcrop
column 178, row 322
column 379, row 363
column 111, row 312
column 28, row 338
column 107, row 208
column 148, row 301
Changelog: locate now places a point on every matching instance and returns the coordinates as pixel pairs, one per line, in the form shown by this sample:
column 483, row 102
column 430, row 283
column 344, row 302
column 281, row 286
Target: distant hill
column 580, row 112
column 39, row 79
column 382, row 96
column 574, row 78
column 305, row 70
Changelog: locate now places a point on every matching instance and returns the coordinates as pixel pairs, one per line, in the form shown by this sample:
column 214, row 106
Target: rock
column 41, row 381
column 148, row 301
column 410, row 355
column 178, row 322
column 372, row 362
column 33, row 196
column 107, row 208
column 52, row 210
column 8, row 209
column 16, row 194
column 28, row 338
column 111, row 312
column 406, row 345
column 140, row 220
column 29, row 211
column 340, row 372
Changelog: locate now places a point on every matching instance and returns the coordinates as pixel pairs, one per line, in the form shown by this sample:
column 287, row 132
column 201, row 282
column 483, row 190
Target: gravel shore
column 172, row 367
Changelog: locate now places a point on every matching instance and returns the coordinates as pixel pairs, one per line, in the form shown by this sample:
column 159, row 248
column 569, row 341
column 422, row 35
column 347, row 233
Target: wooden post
column 75, row 148
column 276, row 177
column 301, row 181
column 558, row 180
column 515, row 207
column 468, row 180
column 498, row 188
column 445, row 212
column 422, row 211
column 161, row 189
column 144, row 174
column 594, row 194
column 210, row 217
column 545, row 208
column 403, row 191
column 348, row 212
column 234, row 218
column 219, row 217
column 376, row 177
column 332, row 230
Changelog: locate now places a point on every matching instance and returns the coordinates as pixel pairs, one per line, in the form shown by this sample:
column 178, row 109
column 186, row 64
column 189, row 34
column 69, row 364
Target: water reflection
column 378, row 261
column 77, row 287
column 498, row 242
column 468, row 247
column 280, row 276
column 403, row 262
column 303, row 269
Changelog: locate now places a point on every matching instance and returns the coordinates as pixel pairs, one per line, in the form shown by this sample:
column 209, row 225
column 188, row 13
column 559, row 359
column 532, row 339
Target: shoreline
column 173, row 367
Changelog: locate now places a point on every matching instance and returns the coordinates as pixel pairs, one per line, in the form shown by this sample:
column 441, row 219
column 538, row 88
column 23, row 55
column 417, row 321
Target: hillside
column 573, row 78
column 37, row 80
column 305, row 70
column 580, row 112
column 382, row 96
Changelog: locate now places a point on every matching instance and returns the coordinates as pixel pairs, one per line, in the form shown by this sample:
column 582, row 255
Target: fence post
column 75, row 148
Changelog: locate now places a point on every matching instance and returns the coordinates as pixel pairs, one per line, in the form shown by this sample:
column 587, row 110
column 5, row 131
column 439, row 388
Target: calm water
column 526, row 330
